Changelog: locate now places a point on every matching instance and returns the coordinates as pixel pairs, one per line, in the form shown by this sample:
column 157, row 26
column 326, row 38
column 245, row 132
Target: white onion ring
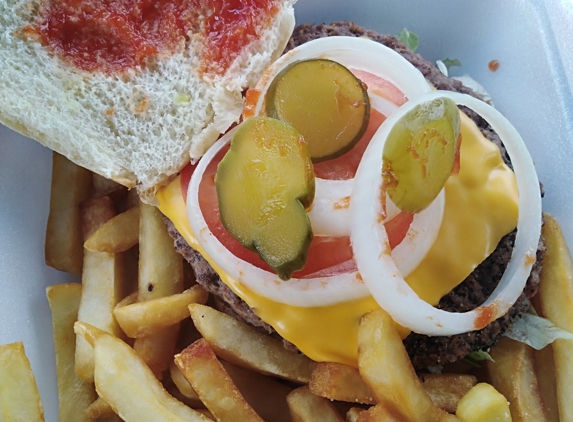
column 370, row 242
column 319, row 291
column 420, row 237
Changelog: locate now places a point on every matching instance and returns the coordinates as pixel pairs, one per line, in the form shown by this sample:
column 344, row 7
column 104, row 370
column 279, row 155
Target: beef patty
column 423, row 350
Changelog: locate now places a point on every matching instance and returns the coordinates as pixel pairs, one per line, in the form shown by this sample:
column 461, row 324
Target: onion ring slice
column 370, row 242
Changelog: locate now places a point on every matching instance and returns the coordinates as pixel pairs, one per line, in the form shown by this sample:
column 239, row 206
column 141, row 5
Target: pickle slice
column 420, row 152
column 264, row 184
column 324, row 101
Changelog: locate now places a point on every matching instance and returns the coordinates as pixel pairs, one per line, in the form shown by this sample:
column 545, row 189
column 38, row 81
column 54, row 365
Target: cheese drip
column 481, row 208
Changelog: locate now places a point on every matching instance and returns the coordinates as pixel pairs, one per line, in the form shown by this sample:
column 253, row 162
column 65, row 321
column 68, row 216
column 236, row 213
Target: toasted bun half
column 138, row 127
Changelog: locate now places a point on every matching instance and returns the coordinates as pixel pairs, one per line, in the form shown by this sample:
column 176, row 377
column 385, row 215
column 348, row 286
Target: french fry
column 19, row 396
column 545, row 370
column 160, row 275
column 74, row 394
column 102, row 286
column 117, row 235
column 385, row 366
column 265, row 395
column 379, row 413
column 513, row 374
column 446, row 390
column 71, row 184
column 214, row 386
column 98, row 409
column 127, row 384
column 307, row 407
column 336, row 381
column 556, row 300
column 483, row 403
column 239, row 344
column 182, row 384
column 141, row 319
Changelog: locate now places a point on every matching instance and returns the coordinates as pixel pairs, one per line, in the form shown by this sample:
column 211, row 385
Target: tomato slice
column 327, row 256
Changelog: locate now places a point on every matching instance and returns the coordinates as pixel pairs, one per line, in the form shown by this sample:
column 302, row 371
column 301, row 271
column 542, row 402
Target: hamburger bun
column 138, row 126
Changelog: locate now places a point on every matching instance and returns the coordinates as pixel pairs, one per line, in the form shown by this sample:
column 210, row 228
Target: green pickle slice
column 264, row 185
column 420, row 153
column 324, row 101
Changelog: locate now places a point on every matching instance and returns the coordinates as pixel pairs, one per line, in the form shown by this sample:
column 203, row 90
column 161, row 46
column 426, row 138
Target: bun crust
column 138, row 128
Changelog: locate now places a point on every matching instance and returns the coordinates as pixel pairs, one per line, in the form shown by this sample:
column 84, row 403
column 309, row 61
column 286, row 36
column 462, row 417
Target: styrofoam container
column 533, row 87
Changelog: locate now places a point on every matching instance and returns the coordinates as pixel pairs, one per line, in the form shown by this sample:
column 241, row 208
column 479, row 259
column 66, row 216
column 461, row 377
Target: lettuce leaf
column 536, row 331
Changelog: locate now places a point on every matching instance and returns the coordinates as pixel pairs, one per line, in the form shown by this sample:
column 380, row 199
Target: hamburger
column 122, row 107
column 425, row 350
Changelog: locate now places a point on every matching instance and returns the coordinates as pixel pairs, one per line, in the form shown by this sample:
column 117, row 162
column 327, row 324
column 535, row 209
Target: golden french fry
column 160, row 275
column 240, row 344
column 19, row 396
column 513, row 375
column 71, row 184
column 446, row 390
column 385, row 366
column 98, row 409
column 74, row 394
column 556, row 300
column 157, row 349
column 117, row 235
column 307, row 407
column 336, row 381
column 160, row 267
column 265, row 395
column 102, row 286
column 182, row 384
column 127, row 384
column 141, row 319
column 483, row 403
column 546, row 377
column 353, row 414
column 214, row 386
column 380, row 413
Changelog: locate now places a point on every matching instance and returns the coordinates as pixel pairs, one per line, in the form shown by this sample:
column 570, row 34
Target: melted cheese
column 481, row 207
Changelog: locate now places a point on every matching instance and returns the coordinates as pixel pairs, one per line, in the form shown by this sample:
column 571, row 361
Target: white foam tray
column 533, row 88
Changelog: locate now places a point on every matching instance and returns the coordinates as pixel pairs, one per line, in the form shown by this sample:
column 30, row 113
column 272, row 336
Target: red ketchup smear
column 115, row 35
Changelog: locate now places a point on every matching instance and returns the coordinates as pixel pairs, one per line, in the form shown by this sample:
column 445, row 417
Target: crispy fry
column 240, row 344
column 513, row 375
column 265, row 395
column 214, row 386
column 102, row 285
column 19, row 396
column 127, row 384
column 385, row 366
column 99, row 408
column 74, row 395
column 141, row 319
column 545, row 370
column 160, row 275
column 307, row 407
column 556, row 300
column 446, row 390
column 336, row 381
column 117, row 235
column 71, row 184
column 182, row 384
column 483, row 403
